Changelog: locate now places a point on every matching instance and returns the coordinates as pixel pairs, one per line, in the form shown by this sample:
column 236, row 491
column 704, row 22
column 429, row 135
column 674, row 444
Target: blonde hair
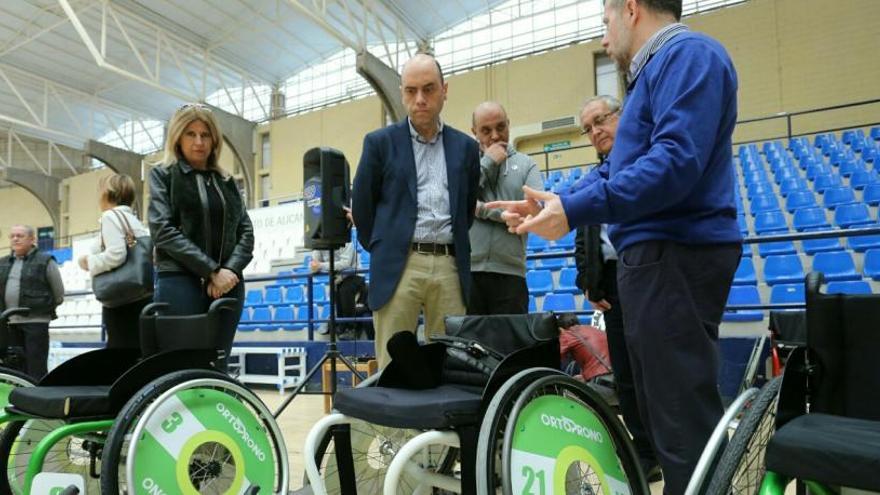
column 183, row 117
column 117, row 188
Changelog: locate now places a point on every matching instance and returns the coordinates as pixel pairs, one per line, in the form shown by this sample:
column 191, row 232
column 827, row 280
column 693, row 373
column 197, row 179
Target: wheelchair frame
column 152, row 393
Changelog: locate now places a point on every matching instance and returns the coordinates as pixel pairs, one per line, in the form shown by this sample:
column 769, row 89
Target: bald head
column 490, row 124
column 423, row 93
column 422, row 62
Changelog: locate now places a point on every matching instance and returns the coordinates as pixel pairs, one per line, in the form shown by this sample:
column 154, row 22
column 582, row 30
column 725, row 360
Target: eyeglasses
column 598, row 122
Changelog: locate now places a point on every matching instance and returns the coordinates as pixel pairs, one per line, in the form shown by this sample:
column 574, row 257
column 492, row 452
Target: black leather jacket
column 180, row 223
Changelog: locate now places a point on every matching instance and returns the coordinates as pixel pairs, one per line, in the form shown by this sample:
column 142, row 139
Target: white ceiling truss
column 42, row 155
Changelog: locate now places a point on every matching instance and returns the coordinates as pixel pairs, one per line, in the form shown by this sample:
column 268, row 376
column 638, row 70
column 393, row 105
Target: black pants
column 620, row 364
column 122, row 324
column 185, row 296
column 674, row 296
column 498, row 294
column 33, row 338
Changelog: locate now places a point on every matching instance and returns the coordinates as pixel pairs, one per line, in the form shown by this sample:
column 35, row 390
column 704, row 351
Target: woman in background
column 203, row 236
column 115, row 198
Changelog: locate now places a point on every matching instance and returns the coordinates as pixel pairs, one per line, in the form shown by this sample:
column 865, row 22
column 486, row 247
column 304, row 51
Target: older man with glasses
column 596, row 261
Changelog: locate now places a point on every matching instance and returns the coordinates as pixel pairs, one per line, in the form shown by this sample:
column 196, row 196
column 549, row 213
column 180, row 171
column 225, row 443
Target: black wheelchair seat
column 65, row 402
column 832, row 449
column 443, row 407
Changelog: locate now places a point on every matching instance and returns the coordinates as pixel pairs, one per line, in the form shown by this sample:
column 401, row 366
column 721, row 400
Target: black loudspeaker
column 326, row 190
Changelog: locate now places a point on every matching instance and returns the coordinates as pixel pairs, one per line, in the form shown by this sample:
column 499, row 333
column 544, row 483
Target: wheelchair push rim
column 203, row 434
column 563, row 439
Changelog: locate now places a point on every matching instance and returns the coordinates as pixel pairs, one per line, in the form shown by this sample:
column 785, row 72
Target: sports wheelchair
column 819, row 423
column 159, row 419
column 488, row 398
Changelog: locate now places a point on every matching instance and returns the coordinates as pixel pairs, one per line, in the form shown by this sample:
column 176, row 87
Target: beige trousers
column 430, row 283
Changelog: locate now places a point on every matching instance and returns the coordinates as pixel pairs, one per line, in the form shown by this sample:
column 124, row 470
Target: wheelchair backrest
column 844, row 337
column 508, row 333
column 160, row 332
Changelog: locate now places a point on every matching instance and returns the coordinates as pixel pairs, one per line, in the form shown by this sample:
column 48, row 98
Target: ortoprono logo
column 568, row 425
column 241, row 431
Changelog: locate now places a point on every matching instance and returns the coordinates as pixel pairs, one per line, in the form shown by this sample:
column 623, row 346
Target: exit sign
column 558, row 145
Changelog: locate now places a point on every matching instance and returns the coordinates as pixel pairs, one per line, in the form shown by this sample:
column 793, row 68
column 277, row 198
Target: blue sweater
column 670, row 173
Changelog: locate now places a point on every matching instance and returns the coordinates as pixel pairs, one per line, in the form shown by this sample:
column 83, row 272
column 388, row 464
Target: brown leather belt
column 435, row 249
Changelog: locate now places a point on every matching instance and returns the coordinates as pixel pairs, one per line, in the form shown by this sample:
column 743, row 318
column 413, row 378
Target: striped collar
column 418, row 137
column 654, row 43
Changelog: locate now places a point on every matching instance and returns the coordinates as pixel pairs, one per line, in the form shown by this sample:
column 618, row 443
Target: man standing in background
column 29, row 278
column 498, row 258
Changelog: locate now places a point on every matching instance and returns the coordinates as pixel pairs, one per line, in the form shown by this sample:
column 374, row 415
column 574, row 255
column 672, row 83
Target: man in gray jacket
column 498, row 258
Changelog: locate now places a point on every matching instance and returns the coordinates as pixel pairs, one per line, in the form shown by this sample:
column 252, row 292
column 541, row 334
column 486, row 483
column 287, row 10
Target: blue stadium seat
column 851, row 215
column 849, row 167
column 533, row 307
column 576, row 173
column 567, row 282
column 764, row 202
column 836, row 265
column 787, row 293
column 536, row 243
column 743, row 226
column 747, row 250
column 272, row 296
column 818, row 169
column 553, row 264
column 742, row 295
column 559, row 303
column 758, row 189
column 757, row 175
column 770, row 221
column 539, row 282
column 863, row 243
column 826, row 181
column 783, row 269
column 745, row 273
column 848, row 136
column 793, row 185
column 872, row 263
column 785, row 172
column 556, row 175
column 813, row 246
column 253, row 297
column 766, row 249
column 871, row 195
column 836, row 196
column 320, row 293
column 875, row 133
column 531, row 264
column 862, row 179
column 849, row 287
column 263, row 318
column 294, row 295
column 566, row 242
column 800, row 199
column 304, row 267
column 244, row 323
column 809, row 218
column 302, row 314
column 283, row 315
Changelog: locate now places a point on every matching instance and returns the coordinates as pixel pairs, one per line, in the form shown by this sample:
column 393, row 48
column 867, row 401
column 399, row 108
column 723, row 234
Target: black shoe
column 652, row 470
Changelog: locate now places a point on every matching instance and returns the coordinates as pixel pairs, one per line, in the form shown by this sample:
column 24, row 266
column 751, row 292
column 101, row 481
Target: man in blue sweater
column 667, row 191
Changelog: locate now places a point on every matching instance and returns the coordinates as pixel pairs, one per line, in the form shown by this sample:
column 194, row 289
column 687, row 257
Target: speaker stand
column 332, row 353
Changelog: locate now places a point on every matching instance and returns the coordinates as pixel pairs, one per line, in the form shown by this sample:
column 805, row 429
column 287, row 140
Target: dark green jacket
column 180, row 223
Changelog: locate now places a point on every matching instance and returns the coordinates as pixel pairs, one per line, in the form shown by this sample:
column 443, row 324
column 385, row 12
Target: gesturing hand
column 527, row 215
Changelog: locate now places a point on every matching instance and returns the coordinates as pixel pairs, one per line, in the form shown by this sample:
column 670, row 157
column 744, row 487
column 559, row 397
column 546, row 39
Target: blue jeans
column 185, row 295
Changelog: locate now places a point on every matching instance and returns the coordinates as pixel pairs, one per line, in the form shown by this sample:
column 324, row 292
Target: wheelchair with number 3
column 159, row 419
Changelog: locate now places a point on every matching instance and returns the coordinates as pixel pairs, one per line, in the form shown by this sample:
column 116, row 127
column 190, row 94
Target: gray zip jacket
column 493, row 248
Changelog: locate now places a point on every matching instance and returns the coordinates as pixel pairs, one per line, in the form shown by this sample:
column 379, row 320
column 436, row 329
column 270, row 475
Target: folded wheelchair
column 159, row 419
column 483, row 410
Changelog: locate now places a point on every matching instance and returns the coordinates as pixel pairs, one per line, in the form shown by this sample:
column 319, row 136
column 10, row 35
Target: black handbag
column 133, row 280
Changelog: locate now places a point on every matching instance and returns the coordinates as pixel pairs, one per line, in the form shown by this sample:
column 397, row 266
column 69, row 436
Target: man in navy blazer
column 413, row 201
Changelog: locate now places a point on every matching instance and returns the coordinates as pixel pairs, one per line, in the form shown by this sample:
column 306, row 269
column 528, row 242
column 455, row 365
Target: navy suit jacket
column 384, row 203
